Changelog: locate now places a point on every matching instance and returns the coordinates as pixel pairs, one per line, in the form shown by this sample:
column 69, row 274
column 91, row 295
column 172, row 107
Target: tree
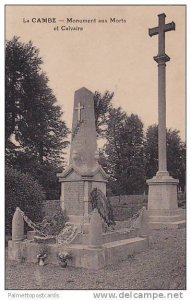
column 176, row 154
column 23, row 191
column 31, row 111
column 124, row 153
column 41, row 129
column 151, row 151
column 35, row 131
column 22, row 63
column 45, row 173
column 102, row 106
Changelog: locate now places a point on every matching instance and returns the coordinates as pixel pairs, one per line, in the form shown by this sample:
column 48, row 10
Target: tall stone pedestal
column 163, row 204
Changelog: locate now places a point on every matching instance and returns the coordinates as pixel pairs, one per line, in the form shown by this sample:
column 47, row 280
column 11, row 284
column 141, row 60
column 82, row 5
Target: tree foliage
column 31, row 111
column 132, row 157
column 124, row 152
column 23, row 191
column 22, row 64
column 102, row 106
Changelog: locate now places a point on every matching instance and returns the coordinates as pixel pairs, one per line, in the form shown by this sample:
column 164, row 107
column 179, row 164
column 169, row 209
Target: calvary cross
column 78, row 108
column 161, row 59
column 160, row 30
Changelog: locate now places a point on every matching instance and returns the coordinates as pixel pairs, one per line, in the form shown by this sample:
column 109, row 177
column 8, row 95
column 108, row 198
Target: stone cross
column 160, row 30
column 78, row 108
column 162, row 196
column 161, row 59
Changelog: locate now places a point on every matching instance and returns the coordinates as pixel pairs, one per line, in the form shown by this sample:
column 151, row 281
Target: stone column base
column 163, row 209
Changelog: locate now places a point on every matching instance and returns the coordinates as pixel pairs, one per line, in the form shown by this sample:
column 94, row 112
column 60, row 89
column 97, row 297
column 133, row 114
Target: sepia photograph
column 95, row 149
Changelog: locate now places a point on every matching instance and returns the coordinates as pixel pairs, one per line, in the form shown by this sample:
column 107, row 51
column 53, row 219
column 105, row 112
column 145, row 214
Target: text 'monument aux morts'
column 73, row 20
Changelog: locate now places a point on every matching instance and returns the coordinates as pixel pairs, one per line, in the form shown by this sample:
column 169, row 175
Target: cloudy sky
column 107, row 56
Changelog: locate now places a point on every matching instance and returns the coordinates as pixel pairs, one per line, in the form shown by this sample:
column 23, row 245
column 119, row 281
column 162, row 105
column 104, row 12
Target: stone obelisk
column 83, row 142
column 84, row 172
column 162, row 197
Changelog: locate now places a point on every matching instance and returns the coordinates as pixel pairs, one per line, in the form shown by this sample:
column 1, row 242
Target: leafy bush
column 23, row 191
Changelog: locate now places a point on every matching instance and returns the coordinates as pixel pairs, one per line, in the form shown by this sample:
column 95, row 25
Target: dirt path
column 162, row 266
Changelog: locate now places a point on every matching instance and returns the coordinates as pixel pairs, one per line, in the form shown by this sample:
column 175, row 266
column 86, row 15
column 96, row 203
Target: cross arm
column 169, row 26
column 153, row 31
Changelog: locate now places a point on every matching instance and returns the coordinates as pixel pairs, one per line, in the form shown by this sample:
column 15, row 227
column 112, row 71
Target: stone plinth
column 163, row 204
column 162, row 193
column 76, row 187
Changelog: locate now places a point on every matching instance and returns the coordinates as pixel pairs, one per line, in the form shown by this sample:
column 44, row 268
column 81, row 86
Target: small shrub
column 23, row 191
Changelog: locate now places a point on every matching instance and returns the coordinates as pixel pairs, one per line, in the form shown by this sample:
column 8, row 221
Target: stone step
column 120, row 250
column 109, row 236
column 121, row 234
column 162, row 225
column 170, row 218
column 122, row 224
column 167, row 212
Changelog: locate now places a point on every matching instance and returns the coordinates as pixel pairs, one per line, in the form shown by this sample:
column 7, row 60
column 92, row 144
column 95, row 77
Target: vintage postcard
column 95, row 150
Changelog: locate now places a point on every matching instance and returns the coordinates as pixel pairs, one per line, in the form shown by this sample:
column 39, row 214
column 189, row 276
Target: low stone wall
column 128, row 199
column 124, row 206
column 182, row 199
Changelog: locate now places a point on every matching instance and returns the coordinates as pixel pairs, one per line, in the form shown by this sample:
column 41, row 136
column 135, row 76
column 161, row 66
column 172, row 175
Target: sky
column 108, row 56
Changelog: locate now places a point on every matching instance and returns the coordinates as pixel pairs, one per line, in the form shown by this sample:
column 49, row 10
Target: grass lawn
column 161, row 266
